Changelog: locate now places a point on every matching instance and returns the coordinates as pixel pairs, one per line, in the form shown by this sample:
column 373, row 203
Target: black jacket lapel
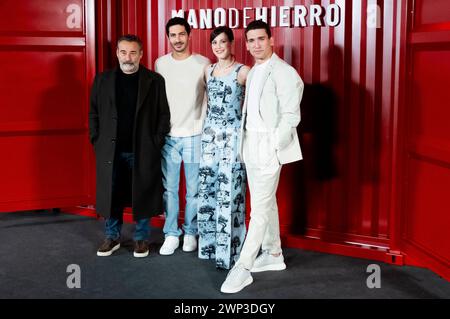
column 112, row 90
column 144, row 86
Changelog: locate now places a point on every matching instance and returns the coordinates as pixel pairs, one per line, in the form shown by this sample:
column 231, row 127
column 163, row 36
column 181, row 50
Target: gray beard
column 126, row 68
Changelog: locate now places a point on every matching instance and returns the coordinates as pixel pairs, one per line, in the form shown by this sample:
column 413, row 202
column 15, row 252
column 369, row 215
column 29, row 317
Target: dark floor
column 37, row 247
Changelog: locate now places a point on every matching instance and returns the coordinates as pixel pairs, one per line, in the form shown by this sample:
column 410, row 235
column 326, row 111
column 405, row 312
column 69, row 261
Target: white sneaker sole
column 272, row 267
column 189, row 249
column 167, row 252
column 108, row 253
column 140, row 255
column 237, row 289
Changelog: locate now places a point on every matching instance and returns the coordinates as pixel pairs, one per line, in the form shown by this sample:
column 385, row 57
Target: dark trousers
column 121, row 192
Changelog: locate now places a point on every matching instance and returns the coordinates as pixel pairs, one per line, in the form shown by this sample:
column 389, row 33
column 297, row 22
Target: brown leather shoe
column 108, row 247
column 141, row 248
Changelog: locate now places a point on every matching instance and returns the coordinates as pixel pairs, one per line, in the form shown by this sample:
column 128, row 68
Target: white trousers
column 263, row 175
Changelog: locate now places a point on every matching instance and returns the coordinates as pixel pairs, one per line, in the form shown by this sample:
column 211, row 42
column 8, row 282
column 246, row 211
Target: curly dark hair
column 258, row 24
column 178, row 21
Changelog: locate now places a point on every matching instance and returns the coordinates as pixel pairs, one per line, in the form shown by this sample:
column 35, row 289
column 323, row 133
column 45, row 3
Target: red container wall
column 425, row 146
column 47, row 66
column 375, row 175
column 341, row 191
column 373, row 181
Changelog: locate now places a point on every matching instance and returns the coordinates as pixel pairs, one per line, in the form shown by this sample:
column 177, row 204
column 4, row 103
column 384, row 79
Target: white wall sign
column 373, row 16
column 282, row 16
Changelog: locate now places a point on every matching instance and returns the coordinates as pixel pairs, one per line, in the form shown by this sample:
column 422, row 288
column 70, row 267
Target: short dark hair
column 258, row 24
column 178, row 21
column 219, row 30
column 130, row 38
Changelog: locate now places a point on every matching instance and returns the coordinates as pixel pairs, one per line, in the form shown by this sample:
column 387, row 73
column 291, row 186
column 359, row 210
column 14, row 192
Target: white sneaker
column 267, row 261
column 189, row 243
column 238, row 278
column 170, row 244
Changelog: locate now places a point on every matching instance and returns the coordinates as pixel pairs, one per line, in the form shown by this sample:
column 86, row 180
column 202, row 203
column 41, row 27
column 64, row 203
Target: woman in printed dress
column 222, row 178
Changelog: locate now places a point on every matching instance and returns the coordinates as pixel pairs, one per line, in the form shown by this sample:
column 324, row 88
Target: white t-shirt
column 185, row 88
column 254, row 121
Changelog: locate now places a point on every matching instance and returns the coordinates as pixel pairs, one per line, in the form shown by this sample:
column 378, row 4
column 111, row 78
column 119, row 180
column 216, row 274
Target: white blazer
column 280, row 94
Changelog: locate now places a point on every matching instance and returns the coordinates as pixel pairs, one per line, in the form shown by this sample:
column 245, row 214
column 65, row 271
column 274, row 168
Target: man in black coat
column 128, row 120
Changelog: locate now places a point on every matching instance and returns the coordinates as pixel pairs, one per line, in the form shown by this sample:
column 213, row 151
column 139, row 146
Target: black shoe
column 108, row 247
column 141, row 248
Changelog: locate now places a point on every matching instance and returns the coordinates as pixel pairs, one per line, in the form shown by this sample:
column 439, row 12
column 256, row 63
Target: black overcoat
column 152, row 123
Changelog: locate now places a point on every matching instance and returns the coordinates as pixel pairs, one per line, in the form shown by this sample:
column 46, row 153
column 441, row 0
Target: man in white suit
column 271, row 113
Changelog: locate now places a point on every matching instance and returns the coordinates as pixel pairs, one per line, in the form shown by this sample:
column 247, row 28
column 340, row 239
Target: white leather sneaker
column 267, row 261
column 170, row 244
column 189, row 243
column 238, row 278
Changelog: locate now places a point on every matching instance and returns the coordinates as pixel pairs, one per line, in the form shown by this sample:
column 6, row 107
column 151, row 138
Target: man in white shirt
column 271, row 114
column 183, row 72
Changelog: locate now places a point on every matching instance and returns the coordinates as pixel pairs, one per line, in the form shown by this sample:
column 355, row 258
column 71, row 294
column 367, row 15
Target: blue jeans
column 121, row 189
column 113, row 227
column 175, row 151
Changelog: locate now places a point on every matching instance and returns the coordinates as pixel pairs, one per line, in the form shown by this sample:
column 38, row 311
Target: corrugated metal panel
column 342, row 189
column 50, row 49
column 426, row 141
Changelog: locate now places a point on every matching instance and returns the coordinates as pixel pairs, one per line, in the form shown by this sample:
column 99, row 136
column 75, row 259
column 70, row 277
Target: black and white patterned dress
column 222, row 178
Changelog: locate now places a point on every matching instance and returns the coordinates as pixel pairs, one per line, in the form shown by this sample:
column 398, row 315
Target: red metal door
column 425, row 211
column 47, row 54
